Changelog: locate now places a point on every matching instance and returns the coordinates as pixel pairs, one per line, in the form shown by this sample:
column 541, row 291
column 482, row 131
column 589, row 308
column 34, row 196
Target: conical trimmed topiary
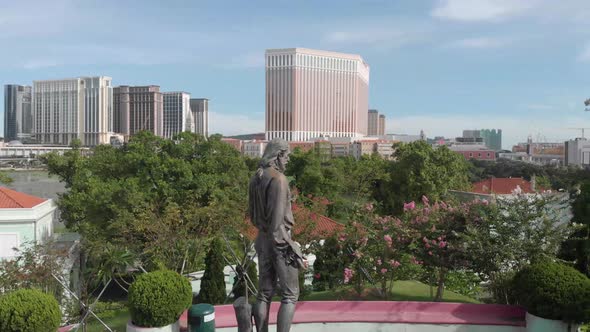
column 213, row 281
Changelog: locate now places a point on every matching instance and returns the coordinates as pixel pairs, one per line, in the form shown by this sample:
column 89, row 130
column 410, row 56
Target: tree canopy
column 421, row 170
column 159, row 198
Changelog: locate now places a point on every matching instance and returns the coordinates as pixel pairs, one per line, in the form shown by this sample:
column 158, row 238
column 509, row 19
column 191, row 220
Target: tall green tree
column 213, row 281
column 421, row 170
column 160, row 199
column 577, row 247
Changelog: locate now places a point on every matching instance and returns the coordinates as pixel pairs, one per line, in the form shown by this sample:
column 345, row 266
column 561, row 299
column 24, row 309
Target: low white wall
column 380, row 327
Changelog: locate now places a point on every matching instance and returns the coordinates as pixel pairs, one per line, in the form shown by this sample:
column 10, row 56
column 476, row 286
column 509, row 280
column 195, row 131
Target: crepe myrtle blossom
column 425, row 200
column 383, row 270
column 409, row 206
column 388, row 240
column 348, row 273
column 394, row 263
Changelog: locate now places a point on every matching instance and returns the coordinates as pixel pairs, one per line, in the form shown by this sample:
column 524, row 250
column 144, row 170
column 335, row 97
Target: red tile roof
column 10, row 199
column 502, row 186
column 324, row 226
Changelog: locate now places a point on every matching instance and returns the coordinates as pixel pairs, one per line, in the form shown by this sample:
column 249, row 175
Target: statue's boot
column 286, row 312
column 260, row 312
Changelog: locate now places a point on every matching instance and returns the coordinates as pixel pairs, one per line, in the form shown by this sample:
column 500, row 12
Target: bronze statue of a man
column 279, row 257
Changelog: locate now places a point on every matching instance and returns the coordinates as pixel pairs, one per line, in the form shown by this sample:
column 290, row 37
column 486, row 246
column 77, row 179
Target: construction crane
column 582, row 129
column 587, row 104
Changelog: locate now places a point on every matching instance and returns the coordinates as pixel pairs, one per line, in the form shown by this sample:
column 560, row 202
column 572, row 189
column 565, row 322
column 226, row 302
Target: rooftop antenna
column 582, row 129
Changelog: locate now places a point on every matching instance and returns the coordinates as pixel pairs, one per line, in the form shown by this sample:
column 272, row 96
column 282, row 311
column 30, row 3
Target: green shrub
column 464, row 282
column 500, row 288
column 213, row 281
column 29, row 310
column 328, row 265
column 553, row 291
column 158, row 298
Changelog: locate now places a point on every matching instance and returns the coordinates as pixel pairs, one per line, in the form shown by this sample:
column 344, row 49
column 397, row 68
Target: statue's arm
column 277, row 197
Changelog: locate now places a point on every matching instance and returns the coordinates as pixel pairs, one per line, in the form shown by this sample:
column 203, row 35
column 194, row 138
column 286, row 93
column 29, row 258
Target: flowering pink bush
column 348, row 273
column 426, row 235
column 409, row 206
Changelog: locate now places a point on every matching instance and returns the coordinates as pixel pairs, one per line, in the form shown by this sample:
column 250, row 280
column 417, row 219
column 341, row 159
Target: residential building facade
column 235, row 143
column 24, row 220
column 361, row 148
column 310, row 93
column 18, row 116
column 76, row 108
column 577, row 152
column 254, row 148
column 200, row 113
column 303, row 146
column 177, row 114
column 478, row 152
column 138, row 108
column 384, row 148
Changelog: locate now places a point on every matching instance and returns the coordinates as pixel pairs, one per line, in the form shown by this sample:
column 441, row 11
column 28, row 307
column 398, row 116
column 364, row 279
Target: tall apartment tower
column 177, row 114
column 381, row 127
column 73, row 108
column 138, row 108
column 200, row 112
column 18, row 117
column 310, row 93
column 373, row 123
column 376, row 123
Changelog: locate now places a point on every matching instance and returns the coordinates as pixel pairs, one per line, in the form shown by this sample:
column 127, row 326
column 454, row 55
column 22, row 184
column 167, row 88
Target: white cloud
column 253, row 59
column 381, row 34
column 368, row 36
column 480, row 43
column 480, row 10
column 39, row 63
column 236, row 124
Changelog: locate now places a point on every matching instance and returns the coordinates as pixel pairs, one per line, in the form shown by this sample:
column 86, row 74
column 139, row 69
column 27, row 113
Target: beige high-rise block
column 311, row 93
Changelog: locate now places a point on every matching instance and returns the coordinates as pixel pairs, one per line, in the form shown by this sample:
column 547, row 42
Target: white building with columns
column 177, row 114
column 72, row 108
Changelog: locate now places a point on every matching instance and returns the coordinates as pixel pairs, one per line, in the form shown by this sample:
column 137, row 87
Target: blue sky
column 441, row 66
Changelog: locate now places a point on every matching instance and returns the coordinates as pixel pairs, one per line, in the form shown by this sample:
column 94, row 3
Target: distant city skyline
column 440, row 65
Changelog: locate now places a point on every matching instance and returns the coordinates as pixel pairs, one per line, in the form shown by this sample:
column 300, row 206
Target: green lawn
column 116, row 320
column 408, row 290
column 403, row 290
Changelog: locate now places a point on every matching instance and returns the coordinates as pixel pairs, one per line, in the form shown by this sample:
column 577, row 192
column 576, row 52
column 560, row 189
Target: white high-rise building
column 200, row 112
column 177, row 114
column 312, row 93
column 73, row 108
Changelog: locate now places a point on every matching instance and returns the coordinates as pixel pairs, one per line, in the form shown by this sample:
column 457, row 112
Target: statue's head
column 276, row 154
